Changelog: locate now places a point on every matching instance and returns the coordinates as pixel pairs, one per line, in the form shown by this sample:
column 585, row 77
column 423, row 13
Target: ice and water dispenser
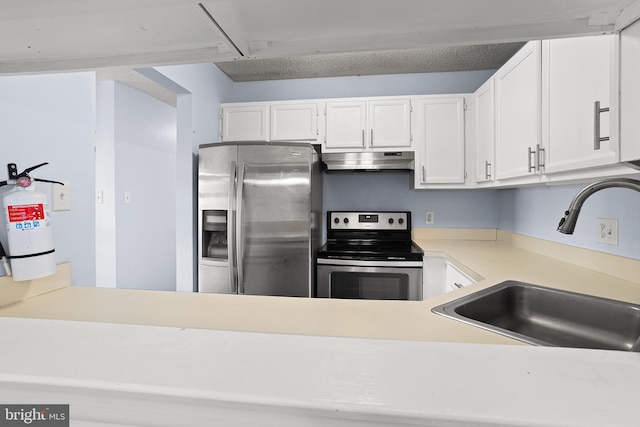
column 214, row 234
column 214, row 269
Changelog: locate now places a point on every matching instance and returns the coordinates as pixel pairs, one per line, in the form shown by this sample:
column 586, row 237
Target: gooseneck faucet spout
column 568, row 222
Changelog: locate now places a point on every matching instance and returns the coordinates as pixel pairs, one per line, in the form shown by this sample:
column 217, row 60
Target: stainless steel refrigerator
column 259, row 218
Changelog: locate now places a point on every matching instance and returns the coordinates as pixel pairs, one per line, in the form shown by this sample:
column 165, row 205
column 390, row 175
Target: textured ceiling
column 41, row 36
column 287, row 39
column 419, row 60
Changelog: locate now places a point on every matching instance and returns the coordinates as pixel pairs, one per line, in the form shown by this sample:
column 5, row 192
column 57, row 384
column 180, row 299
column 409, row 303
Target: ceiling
column 275, row 39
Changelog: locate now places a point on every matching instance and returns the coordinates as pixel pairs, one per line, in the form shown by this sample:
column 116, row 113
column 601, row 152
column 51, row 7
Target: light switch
column 127, row 197
column 61, row 197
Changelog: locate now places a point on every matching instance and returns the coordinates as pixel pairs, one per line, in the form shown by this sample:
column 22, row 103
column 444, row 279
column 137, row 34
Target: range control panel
column 369, row 221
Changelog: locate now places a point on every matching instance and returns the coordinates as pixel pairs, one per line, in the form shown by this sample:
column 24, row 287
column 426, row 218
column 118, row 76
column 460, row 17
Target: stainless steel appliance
column 369, row 255
column 259, row 207
column 370, row 161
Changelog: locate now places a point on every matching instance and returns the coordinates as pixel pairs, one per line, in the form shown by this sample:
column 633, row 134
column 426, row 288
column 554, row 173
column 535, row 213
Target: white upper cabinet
column 294, row 122
column 390, row 123
column 630, row 93
column 248, row 122
column 346, row 124
column 517, row 98
column 578, row 103
column 374, row 124
column 485, row 131
column 440, row 138
column 275, row 121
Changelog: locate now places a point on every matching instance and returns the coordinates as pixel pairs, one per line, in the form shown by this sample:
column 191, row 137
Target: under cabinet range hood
column 369, row 161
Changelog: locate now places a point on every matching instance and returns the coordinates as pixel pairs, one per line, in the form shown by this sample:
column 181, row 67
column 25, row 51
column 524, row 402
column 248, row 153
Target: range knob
column 400, row 221
column 336, row 220
column 390, row 220
column 346, row 220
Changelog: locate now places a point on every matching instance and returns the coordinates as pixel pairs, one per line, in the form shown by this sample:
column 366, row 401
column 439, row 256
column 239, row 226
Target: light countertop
column 493, row 261
column 128, row 357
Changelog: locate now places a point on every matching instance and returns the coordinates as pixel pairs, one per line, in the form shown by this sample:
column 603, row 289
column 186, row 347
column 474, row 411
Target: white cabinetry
column 518, row 93
column 441, row 276
column 485, row 131
column 277, row 121
column 577, row 79
column 249, row 122
column 375, row 124
column 456, row 279
column 294, row 122
column 346, row 124
column 439, row 125
column 630, row 93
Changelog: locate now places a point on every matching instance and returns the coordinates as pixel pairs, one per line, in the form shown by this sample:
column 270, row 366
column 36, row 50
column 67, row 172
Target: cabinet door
column 390, row 124
column 630, row 92
column 517, row 86
column 577, row 72
column 456, row 279
column 441, row 140
column 346, row 124
column 485, row 131
column 294, row 122
column 245, row 123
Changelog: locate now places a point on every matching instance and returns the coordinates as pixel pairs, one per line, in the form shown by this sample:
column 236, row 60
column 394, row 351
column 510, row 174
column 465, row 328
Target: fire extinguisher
column 28, row 225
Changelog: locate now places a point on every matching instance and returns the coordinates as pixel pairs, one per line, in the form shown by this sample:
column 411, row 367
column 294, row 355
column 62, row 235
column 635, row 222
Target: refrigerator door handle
column 231, row 238
column 238, row 236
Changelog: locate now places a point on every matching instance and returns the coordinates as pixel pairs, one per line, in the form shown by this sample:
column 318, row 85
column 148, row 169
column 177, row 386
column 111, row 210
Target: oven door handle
column 369, row 263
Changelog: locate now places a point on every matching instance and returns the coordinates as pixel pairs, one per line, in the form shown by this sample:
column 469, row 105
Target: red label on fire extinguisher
column 19, row 213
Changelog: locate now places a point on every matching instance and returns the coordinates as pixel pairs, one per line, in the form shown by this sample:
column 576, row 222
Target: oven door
column 389, row 280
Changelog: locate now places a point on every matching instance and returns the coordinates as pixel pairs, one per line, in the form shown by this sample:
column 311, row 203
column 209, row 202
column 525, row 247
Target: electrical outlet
column 608, row 231
column 430, row 218
column 61, row 197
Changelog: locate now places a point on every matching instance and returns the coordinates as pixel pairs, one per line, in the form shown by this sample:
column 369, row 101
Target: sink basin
column 545, row 316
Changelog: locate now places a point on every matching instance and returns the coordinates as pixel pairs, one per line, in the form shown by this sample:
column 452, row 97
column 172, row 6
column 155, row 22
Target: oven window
column 370, row 285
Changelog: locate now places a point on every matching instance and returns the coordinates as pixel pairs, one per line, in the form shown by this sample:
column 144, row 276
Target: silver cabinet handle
column 487, row 169
column 541, row 163
column 363, row 144
column 531, row 165
column 371, row 140
column 423, row 175
column 596, row 125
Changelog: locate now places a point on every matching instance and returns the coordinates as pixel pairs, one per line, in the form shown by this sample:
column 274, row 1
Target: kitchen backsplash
column 533, row 212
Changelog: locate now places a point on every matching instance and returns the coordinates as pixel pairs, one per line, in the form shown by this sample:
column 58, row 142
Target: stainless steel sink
column 544, row 316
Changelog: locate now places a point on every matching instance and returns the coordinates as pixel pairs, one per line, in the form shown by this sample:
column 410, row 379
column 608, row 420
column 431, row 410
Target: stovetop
column 369, row 236
column 372, row 250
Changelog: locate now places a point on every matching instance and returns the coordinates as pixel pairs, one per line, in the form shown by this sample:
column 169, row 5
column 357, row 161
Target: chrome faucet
column 568, row 223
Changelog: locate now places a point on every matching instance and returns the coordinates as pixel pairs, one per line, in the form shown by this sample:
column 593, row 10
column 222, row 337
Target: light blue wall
column 145, row 165
column 51, row 118
column 391, row 191
column 343, row 87
column 536, row 212
column 209, row 87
